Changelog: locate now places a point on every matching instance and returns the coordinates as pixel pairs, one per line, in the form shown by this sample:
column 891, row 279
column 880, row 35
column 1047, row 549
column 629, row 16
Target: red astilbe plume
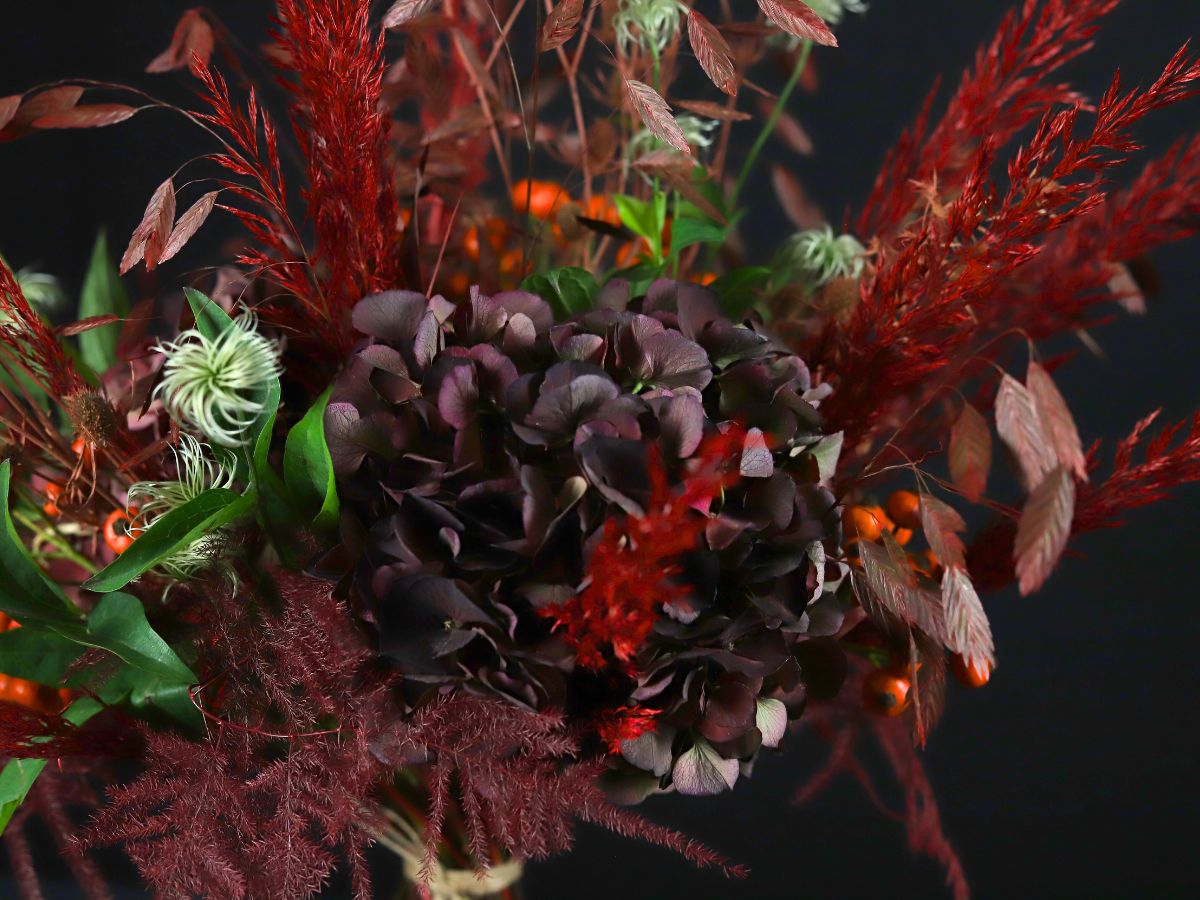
column 279, row 789
column 31, row 343
column 333, row 67
column 519, row 785
column 630, row 572
column 843, row 723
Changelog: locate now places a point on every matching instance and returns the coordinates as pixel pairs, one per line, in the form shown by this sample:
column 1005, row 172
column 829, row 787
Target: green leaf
column 740, row 289
column 26, row 593
column 19, row 775
column 687, row 232
column 568, row 290
column 647, row 219
column 153, row 699
column 174, row 531
column 102, row 294
column 118, row 624
column 37, row 654
column 308, row 467
column 211, row 320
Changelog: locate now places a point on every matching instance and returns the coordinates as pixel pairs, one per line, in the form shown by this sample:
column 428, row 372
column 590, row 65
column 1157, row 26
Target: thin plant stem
column 772, row 120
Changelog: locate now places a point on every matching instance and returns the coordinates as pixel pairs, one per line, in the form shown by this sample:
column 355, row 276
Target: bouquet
column 495, row 483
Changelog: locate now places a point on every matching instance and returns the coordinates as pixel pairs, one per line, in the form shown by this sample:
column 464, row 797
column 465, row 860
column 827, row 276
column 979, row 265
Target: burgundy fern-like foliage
column 521, row 783
column 278, row 790
column 59, row 788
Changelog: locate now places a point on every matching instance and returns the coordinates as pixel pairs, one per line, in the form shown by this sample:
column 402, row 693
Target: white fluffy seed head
column 647, row 23
column 216, row 385
column 818, row 256
column 197, row 469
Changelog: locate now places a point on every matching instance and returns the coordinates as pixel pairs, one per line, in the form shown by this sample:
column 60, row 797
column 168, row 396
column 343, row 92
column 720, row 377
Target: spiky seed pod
column 197, row 471
column 496, row 463
column 93, row 416
column 215, row 385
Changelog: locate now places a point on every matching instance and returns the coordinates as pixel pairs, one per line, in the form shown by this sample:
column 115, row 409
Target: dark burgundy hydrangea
column 480, row 449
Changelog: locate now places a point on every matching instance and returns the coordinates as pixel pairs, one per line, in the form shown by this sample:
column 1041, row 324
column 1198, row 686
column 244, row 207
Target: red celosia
column 625, row 724
column 630, row 572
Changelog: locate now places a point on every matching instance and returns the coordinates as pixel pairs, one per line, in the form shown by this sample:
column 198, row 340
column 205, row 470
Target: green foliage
column 646, row 219
column 102, row 294
column 308, row 467
column 568, row 290
column 25, row 593
column 740, row 289
column 174, row 531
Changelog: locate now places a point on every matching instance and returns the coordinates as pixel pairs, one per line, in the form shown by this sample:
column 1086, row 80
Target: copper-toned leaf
column 798, row 18
column 1126, row 290
column 8, row 109
column 193, row 37
column 655, row 113
column 800, row 209
column 968, row 632
column 95, row 115
column 711, row 110
column 712, row 52
column 87, row 325
column 189, row 223
column 150, row 237
column 404, row 11
column 1057, row 420
column 1021, row 428
column 970, row 453
column 561, row 24
column 893, row 593
column 1044, row 528
column 929, row 687
column 942, row 526
column 788, row 129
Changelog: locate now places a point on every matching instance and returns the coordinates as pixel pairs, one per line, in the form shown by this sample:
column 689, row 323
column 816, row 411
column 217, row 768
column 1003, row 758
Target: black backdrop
column 1074, row 773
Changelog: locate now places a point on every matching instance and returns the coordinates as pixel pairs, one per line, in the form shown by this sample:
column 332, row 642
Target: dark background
column 1074, row 773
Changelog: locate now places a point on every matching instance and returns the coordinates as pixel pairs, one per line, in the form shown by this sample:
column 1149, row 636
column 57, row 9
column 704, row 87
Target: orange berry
column 22, row 692
column 540, row 199
column 707, row 278
column 602, row 209
column 902, row 536
column 905, row 509
column 886, row 693
column 116, row 535
column 50, row 507
column 975, row 675
column 860, row 522
column 82, row 449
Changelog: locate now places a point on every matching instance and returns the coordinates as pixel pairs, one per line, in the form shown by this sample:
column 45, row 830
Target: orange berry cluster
column 28, row 693
column 901, row 519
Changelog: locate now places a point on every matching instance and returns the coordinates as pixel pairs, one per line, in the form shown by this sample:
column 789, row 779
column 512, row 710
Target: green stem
column 52, row 537
column 772, row 121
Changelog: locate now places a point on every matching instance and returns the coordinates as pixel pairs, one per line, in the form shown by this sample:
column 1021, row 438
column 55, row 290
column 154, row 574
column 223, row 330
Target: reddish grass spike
column 1133, row 484
column 31, row 340
column 334, row 72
